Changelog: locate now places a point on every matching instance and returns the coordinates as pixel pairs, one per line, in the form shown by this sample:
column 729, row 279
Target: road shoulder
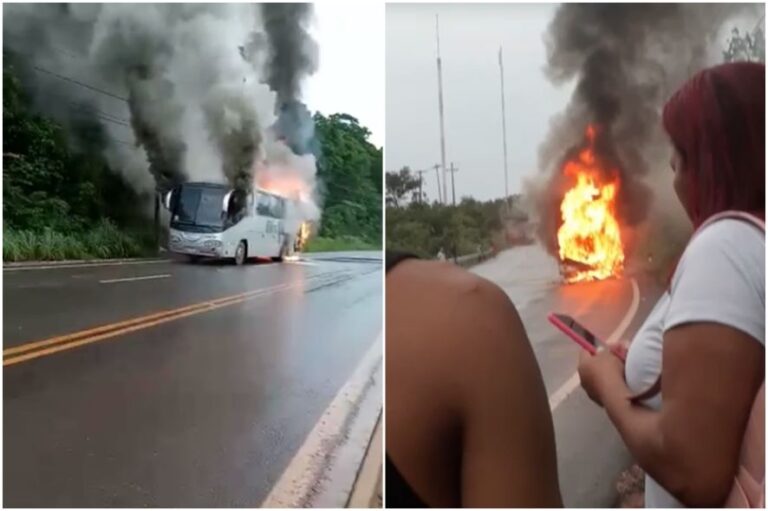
column 367, row 491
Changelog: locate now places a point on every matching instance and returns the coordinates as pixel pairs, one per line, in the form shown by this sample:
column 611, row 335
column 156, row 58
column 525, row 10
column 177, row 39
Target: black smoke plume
column 181, row 90
column 292, row 55
column 626, row 60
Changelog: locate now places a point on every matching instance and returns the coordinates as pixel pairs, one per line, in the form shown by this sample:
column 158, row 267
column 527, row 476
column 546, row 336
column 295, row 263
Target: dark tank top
column 399, row 493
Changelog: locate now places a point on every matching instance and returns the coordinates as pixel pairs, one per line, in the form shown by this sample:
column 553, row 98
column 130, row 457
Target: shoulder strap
column 750, row 218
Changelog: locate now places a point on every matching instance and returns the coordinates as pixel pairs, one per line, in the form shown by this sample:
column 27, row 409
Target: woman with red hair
column 682, row 400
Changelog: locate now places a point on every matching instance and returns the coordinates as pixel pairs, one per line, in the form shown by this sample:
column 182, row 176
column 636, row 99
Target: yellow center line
column 60, row 343
column 97, row 330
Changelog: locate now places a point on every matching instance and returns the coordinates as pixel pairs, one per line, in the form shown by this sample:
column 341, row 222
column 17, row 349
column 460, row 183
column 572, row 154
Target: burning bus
column 217, row 221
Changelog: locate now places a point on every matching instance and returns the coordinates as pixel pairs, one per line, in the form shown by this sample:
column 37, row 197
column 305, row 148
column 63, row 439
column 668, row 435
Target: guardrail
column 468, row 260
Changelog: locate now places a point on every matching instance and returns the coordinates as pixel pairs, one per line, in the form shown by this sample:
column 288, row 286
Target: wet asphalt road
column 590, row 453
column 204, row 410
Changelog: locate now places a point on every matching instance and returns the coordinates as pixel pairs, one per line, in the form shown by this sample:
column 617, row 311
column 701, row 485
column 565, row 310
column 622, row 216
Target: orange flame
column 590, row 233
column 303, row 236
column 286, row 185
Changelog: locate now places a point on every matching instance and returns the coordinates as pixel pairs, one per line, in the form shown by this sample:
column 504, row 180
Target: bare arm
column 711, row 374
column 509, row 457
column 468, row 422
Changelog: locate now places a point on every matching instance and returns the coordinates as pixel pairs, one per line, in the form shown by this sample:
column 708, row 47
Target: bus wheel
column 241, row 254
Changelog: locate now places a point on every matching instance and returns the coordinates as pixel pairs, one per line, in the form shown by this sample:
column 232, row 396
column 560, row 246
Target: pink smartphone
column 575, row 331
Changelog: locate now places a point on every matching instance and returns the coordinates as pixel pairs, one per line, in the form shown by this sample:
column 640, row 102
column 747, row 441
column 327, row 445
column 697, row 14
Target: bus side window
column 262, row 206
column 275, row 207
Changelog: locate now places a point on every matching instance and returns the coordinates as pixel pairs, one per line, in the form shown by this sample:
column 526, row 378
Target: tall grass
column 104, row 241
column 340, row 244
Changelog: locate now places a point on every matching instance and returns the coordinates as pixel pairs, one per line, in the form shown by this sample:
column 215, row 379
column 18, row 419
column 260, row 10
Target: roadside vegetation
column 349, row 169
column 103, row 241
column 416, row 226
column 340, row 244
column 62, row 200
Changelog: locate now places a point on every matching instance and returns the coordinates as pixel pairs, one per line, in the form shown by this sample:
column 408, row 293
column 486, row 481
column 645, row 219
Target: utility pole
column 437, row 173
column 504, row 131
column 440, row 106
column 421, row 181
column 453, row 171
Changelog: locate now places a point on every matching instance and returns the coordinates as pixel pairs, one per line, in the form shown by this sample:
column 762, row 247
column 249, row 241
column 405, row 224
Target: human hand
column 598, row 372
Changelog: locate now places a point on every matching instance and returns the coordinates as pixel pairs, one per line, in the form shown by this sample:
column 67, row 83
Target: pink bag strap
column 754, row 220
column 735, row 215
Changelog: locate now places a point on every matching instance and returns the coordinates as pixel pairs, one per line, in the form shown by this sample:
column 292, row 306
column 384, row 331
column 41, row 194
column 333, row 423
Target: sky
column 470, row 36
column 350, row 78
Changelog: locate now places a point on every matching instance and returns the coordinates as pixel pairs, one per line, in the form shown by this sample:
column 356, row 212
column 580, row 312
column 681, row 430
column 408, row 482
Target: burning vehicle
column 216, row 221
column 603, row 161
column 589, row 239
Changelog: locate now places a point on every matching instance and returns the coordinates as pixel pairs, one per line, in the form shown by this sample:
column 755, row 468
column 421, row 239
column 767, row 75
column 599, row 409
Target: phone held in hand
column 575, row 331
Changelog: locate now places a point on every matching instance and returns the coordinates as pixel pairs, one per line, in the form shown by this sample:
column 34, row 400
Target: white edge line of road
column 300, row 263
column 79, row 264
column 298, row 484
column 131, row 279
column 570, row 385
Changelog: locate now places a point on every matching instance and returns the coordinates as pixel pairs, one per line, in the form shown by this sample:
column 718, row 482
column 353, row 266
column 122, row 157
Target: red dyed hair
column 717, row 123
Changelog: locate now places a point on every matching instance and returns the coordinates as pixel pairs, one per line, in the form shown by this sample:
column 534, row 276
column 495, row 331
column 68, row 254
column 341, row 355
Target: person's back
column 468, row 421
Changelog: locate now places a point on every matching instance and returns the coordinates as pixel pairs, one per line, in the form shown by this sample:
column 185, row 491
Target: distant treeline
column 415, row 226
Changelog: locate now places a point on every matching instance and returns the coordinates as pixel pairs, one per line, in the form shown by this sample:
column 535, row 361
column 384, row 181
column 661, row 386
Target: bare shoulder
column 445, row 283
column 457, row 356
column 437, row 305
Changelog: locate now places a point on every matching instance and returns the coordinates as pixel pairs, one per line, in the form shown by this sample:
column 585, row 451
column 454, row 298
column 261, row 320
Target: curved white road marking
column 569, row 386
column 131, row 279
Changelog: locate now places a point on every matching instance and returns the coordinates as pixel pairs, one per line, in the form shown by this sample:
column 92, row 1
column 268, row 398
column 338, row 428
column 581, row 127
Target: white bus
column 215, row 221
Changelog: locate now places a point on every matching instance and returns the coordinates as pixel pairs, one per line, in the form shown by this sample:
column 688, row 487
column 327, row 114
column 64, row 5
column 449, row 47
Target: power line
column 67, row 78
column 72, row 80
column 23, row 42
column 118, row 141
column 98, row 113
column 85, row 106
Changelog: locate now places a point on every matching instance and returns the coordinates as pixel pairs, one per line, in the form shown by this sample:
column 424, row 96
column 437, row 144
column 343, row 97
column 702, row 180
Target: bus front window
column 199, row 209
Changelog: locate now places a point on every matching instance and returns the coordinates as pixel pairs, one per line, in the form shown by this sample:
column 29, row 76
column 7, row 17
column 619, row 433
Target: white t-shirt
column 720, row 278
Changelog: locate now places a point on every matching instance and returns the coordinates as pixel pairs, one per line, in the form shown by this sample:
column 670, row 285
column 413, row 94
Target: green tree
column 425, row 229
column 349, row 168
column 58, row 189
column 746, row 47
column 399, row 185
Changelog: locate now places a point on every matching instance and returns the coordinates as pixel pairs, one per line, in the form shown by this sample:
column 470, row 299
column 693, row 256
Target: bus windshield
column 199, row 209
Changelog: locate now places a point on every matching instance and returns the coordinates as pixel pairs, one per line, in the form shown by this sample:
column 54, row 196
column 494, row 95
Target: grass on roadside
column 340, row 244
column 104, row 241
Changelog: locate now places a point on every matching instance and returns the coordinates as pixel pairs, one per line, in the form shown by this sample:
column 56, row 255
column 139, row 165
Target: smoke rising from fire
column 192, row 90
column 292, row 52
column 626, row 59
